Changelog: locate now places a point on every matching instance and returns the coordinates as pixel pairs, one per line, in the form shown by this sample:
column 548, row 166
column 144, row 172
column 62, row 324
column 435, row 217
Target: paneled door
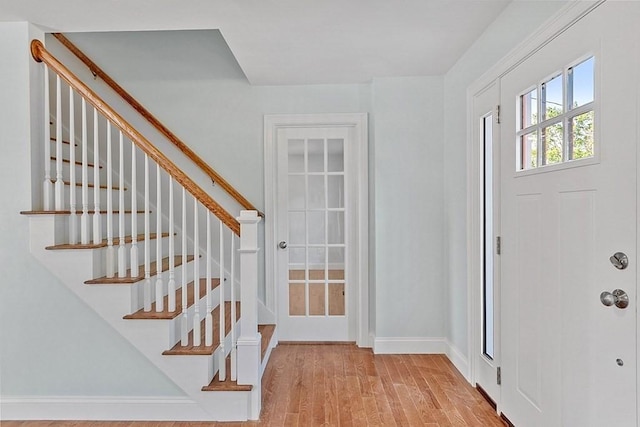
column 315, row 299
column 569, row 226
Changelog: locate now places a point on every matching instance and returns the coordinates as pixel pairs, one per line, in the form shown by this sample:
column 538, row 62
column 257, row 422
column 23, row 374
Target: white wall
column 52, row 343
column 515, row 23
column 408, row 207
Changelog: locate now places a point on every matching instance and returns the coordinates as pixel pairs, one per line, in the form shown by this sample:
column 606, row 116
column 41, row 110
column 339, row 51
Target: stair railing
column 159, row 126
column 105, row 132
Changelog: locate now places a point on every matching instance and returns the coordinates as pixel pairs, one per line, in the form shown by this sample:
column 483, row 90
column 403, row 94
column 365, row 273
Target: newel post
column 249, row 341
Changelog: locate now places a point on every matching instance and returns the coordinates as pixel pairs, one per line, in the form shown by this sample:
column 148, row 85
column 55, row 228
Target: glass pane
column 529, row 109
column 296, row 275
column 336, row 258
column 336, row 227
column 316, row 155
column 297, row 228
column 581, row 77
column 336, row 274
column 316, row 192
column 296, row 155
column 529, row 151
column 316, row 299
column 553, row 137
column 552, row 97
column 335, row 184
column 336, row 299
column 316, row 273
column 296, row 191
column 335, row 160
column 317, row 258
column 582, row 136
column 316, row 228
column 296, row 299
column 297, row 258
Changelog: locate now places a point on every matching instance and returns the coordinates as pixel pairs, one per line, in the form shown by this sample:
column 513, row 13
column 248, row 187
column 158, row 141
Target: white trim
column 357, row 121
column 409, row 345
column 458, row 359
column 571, row 13
column 101, row 408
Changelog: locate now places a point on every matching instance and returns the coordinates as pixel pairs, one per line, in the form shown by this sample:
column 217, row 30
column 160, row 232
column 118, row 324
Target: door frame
column 360, row 168
column 557, row 24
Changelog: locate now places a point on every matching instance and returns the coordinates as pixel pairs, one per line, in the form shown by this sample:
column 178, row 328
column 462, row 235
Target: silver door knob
column 618, row 297
column 282, row 245
column 619, row 260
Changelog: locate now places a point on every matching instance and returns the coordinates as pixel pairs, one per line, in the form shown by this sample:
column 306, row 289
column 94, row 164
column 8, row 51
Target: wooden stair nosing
column 103, row 244
column 54, row 139
column 78, row 212
column 129, row 280
column 166, row 314
column 77, row 163
column 203, row 350
column 227, row 384
column 92, row 185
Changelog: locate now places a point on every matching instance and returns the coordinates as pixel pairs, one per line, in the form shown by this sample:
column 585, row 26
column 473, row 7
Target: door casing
column 360, row 168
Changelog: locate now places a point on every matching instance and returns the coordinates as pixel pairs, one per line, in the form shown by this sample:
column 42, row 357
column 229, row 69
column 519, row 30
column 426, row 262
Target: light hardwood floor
column 342, row 385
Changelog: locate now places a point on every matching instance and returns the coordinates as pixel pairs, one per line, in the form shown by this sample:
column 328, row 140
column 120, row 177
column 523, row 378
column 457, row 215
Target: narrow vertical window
column 487, row 280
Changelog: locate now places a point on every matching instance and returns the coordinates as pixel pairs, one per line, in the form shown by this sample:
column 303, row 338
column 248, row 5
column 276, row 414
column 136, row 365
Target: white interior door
column 569, row 204
column 314, row 193
column 486, row 139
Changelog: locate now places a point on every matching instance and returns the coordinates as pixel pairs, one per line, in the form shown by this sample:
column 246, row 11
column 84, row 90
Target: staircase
column 150, row 252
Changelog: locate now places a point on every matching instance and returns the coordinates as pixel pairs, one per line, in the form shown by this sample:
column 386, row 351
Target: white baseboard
column 119, row 408
column 458, row 359
column 409, row 345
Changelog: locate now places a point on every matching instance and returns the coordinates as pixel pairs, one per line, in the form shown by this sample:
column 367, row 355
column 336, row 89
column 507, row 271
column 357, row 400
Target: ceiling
column 284, row 42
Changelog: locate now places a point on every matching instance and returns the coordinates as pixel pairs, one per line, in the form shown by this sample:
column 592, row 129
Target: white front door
column 569, row 196
column 315, row 196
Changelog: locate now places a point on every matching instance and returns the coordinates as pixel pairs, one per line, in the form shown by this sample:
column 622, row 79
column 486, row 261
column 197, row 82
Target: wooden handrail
column 40, row 54
column 98, row 72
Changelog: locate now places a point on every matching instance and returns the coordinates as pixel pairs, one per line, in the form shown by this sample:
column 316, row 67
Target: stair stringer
column 149, row 337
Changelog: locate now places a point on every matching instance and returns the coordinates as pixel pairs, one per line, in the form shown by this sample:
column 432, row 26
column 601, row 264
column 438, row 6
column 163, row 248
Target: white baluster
column 232, row 288
column 47, row 188
column 172, row 253
column 147, row 254
column 184, row 340
column 110, row 250
column 84, row 219
column 59, row 185
column 134, row 211
column 222, row 370
column 73, row 219
column 159, row 287
column 122, row 250
column 196, row 277
column 208, row 323
column 97, row 223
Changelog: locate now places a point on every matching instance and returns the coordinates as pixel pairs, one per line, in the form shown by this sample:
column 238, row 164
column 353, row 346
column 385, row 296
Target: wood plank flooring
column 342, row 385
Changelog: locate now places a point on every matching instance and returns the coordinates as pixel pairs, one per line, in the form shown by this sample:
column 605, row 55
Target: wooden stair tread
column 68, row 212
column 166, row 314
column 54, row 139
column 128, row 279
column 91, row 185
column 89, row 165
column 267, row 332
column 103, row 244
column 191, row 350
column 227, row 384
